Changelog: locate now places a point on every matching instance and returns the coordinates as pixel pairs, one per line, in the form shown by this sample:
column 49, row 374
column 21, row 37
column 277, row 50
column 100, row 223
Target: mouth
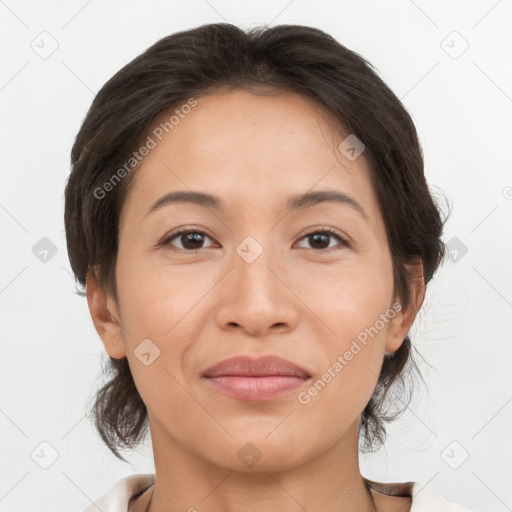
column 250, row 379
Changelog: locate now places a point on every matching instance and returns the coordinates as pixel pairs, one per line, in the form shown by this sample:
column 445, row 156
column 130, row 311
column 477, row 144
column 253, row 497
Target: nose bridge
column 258, row 247
column 256, row 297
column 256, row 264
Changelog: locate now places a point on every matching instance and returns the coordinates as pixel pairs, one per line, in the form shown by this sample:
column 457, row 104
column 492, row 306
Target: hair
column 205, row 60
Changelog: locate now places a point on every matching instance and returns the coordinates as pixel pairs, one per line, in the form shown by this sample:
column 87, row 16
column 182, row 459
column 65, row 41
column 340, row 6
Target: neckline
column 398, row 489
column 139, row 493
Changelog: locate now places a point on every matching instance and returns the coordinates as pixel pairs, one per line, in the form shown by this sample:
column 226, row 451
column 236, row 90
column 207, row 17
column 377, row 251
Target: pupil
column 324, row 236
column 193, row 238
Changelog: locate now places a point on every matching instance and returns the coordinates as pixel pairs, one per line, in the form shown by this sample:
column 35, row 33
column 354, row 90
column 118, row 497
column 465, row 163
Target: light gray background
column 461, row 104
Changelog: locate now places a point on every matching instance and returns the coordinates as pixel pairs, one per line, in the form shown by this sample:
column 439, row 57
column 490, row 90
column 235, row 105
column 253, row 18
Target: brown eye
column 190, row 240
column 320, row 239
column 193, row 240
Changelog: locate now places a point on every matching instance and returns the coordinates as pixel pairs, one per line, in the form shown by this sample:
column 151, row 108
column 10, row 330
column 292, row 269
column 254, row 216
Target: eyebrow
column 294, row 202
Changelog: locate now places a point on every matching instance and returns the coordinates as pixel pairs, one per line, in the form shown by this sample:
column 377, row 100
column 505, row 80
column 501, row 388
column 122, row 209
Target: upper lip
column 256, row 367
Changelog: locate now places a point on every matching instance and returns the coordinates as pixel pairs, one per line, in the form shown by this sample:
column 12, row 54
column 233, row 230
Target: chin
column 253, row 454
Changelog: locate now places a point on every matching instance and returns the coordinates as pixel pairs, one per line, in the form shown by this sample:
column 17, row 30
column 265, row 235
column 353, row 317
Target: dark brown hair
column 288, row 58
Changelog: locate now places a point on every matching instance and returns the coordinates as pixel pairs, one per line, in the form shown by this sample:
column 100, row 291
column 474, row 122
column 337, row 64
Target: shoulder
column 118, row 496
column 421, row 498
column 425, row 500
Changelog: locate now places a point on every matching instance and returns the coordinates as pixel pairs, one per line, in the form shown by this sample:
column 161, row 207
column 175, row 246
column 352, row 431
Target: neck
column 329, row 482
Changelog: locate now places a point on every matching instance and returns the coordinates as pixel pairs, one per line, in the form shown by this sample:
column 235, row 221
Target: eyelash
column 324, row 231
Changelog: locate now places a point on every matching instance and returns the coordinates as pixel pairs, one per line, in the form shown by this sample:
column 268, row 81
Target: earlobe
column 404, row 318
column 105, row 317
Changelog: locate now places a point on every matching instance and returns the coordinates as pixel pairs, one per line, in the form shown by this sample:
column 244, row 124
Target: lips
column 265, row 366
column 255, row 379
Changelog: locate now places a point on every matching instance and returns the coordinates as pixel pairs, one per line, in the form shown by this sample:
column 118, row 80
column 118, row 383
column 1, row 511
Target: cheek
column 353, row 308
column 157, row 331
column 154, row 298
column 159, row 305
column 349, row 298
column 341, row 389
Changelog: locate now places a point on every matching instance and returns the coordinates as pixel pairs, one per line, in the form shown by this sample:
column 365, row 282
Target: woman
column 249, row 216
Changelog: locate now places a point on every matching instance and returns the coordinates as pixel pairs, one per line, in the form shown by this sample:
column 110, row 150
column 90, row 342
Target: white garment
column 423, row 500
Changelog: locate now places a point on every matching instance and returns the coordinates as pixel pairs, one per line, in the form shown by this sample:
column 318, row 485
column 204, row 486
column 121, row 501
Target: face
column 253, row 275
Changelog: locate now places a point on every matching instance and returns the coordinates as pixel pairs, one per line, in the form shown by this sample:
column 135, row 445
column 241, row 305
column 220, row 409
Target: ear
column 105, row 317
column 404, row 317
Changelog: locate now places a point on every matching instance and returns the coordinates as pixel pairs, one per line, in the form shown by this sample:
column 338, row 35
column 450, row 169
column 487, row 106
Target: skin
column 298, row 300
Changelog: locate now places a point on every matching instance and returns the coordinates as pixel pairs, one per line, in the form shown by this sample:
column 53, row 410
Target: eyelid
column 182, row 231
column 345, row 241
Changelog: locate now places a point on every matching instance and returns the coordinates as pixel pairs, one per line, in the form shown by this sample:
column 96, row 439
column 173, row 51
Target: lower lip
column 255, row 389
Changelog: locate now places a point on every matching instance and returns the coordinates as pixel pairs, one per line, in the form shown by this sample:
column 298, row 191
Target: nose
column 257, row 296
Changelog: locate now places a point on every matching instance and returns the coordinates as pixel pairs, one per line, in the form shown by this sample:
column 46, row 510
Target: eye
column 191, row 240
column 320, row 237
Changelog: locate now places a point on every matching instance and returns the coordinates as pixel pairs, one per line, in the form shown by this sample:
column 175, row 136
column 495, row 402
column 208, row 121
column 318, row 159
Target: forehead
column 254, row 125
column 251, row 149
